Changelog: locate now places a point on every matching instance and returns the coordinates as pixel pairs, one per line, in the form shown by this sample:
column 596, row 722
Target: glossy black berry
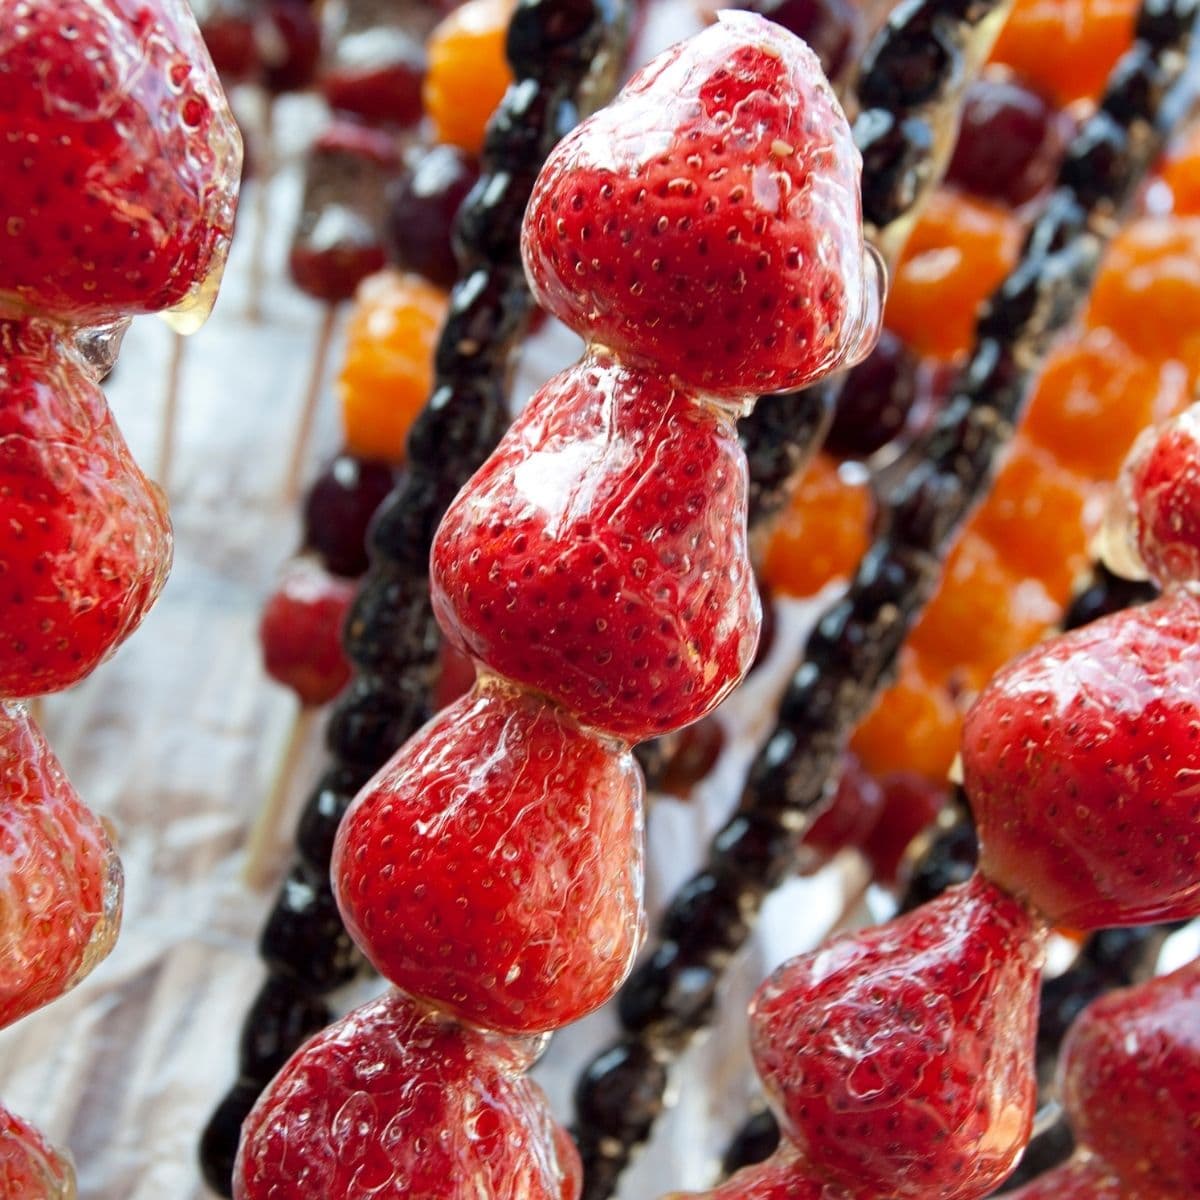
column 339, row 507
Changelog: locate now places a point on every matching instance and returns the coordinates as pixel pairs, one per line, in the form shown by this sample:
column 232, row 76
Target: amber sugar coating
column 85, row 542
column 494, row 866
column 899, row 1059
column 396, row 1101
column 119, row 157
column 30, row 1168
column 599, row 556
column 60, row 886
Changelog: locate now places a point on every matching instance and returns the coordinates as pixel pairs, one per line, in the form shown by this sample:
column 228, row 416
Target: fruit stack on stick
column 563, row 56
column 671, row 994
column 901, row 1060
column 596, row 569
column 121, row 164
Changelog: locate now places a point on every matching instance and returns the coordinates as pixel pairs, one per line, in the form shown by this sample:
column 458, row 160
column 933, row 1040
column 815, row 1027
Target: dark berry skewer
column 557, row 48
column 671, row 994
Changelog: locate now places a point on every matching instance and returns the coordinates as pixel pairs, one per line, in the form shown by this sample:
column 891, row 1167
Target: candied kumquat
column 468, row 71
column 822, row 533
column 959, row 251
column 1066, row 48
column 1181, row 174
column 388, row 369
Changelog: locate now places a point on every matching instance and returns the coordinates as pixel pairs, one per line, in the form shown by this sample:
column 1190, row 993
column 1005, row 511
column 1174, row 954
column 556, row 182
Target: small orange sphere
column 468, row 71
column 1034, row 518
column 822, row 533
column 1181, row 174
column 1148, row 289
column 914, row 726
column 1092, row 399
column 387, row 374
column 982, row 615
column 1065, row 49
column 960, row 249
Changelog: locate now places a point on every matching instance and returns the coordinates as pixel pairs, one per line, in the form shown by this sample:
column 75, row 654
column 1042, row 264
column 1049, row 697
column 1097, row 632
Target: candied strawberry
column 301, row 631
column 60, row 879
column 119, row 157
column 847, row 820
column 85, row 542
column 708, row 220
column 1161, row 481
column 900, row 1059
column 1080, row 762
column 1080, row 1178
column 494, row 866
column 599, row 555
column 781, row 1177
column 396, row 1100
column 30, row 1168
column 1129, row 1077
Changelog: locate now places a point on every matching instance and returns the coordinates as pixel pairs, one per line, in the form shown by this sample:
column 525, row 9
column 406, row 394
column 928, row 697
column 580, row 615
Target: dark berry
column 875, row 400
column 288, row 37
column 696, row 751
column 338, row 509
column 828, row 26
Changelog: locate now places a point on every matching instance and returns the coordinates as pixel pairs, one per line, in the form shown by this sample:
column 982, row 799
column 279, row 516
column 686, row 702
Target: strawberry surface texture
column 30, row 1168
column 599, row 556
column 709, row 222
column 395, row 1101
column 1081, row 761
column 494, row 867
column 781, row 1177
column 85, row 541
column 119, row 157
column 899, row 1059
column 1083, row 1177
column 60, row 879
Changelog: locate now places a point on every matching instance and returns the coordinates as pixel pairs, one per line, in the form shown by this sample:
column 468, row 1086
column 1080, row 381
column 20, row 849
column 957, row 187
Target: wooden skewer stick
column 170, row 417
column 265, row 830
column 256, row 270
column 291, row 487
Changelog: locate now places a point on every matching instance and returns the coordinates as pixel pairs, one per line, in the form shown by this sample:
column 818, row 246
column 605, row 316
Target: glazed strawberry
column 599, row 555
column 397, row 1101
column 1080, row 1178
column 781, row 1177
column 1080, row 762
column 301, row 631
column 30, row 1168
column 900, row 1059
column 60, row 879
column 708, row 221
column 494, row 866
column 1129, row 1078
column 119, row 157
column 1161, row 484
column 85, row 543
column 853, row 812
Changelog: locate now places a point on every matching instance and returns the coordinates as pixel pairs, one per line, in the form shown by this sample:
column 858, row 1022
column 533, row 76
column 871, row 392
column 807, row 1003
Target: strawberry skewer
column 391, row 637
column 855, row 645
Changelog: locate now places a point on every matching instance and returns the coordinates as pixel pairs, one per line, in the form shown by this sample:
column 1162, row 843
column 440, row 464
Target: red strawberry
column 1161, row 482
column 85, row 543
column 60, row 879
column 782, row 1177
column 900, row 1059
column 848, row 820
column 1130, row 1083
column 119, row 157
column 1080, row 1178
column 301, row 631
column 30, row 1168
column 397, row 1101
column 494, row 866
column 708, row 220
column 599, row 555
column 1082, row 766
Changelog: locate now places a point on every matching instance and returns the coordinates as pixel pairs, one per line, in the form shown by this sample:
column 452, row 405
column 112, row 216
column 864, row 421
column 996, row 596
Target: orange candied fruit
column 1181, row 174
column 982, row 614
column 1092, row 399
column 387, row 374
column 958, row 252
column 1065, row 49
column 1148, row 289
column 914, row 726
column 822, row 533
column 468, row 71
column 1034, row 518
